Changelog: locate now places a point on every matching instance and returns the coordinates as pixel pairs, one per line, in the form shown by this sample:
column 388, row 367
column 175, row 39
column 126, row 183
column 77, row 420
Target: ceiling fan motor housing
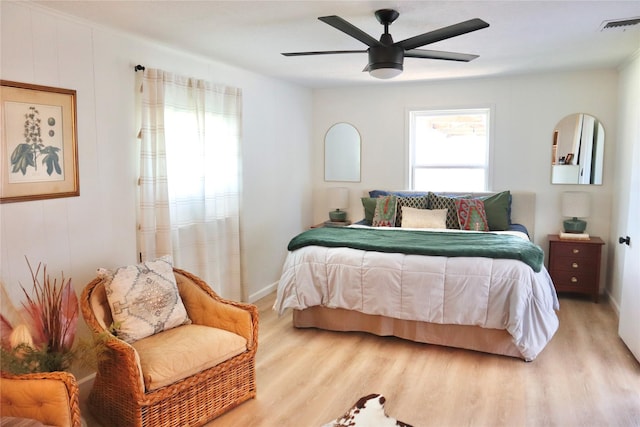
column 385, row 57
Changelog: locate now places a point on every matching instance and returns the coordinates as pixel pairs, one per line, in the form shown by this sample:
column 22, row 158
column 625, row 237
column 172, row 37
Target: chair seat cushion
column 178, row 353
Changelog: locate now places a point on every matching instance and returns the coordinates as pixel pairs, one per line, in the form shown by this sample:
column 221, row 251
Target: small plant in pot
column 40, row 337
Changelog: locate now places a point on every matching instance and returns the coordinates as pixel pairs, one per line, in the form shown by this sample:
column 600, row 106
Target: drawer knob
column 574, row 265
column 574, row 279
column 576, row 251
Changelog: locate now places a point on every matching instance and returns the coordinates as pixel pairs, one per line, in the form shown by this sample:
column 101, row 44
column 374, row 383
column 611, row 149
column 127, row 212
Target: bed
column 501, row 303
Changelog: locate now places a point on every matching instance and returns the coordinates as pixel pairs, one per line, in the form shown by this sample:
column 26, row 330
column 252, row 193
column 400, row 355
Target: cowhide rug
column 367, row 412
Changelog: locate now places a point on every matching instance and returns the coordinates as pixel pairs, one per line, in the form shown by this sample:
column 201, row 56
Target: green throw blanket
column 449, row 244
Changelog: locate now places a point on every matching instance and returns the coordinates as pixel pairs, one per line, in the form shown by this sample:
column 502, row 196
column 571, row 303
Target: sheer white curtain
column 190, row 177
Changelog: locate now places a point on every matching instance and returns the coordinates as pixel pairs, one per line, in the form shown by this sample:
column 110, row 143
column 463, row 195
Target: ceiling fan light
column 387, row 71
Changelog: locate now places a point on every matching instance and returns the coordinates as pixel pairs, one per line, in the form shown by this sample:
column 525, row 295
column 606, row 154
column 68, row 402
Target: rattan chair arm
column 119, row 358
column 87, row 312
column 205, row 307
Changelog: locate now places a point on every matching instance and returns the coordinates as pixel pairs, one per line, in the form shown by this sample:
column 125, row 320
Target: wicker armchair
column 48, row 397
column 119, row 396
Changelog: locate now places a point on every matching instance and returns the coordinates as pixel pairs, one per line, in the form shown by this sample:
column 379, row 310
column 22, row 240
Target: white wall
column 525, row 112
column 79, row 234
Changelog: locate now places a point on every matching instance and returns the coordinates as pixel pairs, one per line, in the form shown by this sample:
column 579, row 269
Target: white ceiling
column 523, row 37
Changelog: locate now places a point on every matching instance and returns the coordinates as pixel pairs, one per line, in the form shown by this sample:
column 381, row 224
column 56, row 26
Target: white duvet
column 485, row 292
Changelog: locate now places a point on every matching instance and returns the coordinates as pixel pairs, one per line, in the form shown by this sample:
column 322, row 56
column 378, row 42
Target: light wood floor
column 584, row 377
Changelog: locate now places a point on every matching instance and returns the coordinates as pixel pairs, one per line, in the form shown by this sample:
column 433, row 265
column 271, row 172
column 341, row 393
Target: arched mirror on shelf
column 577, row 150
column 342, row 153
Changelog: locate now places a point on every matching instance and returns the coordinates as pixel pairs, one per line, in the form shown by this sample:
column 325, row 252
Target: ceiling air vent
column 620, row 24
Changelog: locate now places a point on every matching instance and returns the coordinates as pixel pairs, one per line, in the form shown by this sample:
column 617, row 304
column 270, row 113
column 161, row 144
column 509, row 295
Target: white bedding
column 485, row 292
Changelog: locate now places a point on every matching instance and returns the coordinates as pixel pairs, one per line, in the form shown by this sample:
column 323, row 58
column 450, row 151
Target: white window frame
column 486, row 166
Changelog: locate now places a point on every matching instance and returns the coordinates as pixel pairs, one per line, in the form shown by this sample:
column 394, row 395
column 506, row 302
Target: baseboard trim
column 86, row 379
column 85, row 384
column 263, row 292
column 614, row 304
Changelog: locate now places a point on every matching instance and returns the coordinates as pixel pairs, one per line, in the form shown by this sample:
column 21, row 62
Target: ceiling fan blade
column 349, row 29
column 443, row 33
column 439, row 54
column 323, row 52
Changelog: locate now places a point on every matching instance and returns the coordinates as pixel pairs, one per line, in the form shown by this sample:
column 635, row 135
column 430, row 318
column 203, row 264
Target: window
column 449, row 150
column 200, row 164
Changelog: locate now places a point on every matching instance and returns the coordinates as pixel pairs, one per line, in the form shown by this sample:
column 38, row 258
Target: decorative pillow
column 385, row 214
column 471, row 215
column 448, row 203
column 423, row 218
column 369, row 205
column 144, row 299
column 378, row 193
column 419, row 202
column 497, row 208
column 409, row 193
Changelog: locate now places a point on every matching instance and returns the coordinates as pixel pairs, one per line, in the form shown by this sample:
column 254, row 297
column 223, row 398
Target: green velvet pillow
column 496, row 208
column 369, row 205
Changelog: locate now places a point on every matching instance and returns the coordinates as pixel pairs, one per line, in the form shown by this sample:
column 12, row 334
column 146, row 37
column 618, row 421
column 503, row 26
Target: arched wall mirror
column 577, row 150
column 342, row 153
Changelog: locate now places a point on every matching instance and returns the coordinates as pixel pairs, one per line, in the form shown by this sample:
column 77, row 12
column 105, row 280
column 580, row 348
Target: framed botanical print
column 39, row 149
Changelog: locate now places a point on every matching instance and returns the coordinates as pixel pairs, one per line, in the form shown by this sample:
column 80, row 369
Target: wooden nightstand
column 331, row 224
column 574, row 265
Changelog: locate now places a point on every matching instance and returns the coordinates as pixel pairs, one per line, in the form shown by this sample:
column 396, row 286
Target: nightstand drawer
column 575, row 280
column 573, row 263
column 576, row 250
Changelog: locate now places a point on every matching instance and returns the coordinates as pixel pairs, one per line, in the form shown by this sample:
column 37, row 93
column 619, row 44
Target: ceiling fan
column 385, row 56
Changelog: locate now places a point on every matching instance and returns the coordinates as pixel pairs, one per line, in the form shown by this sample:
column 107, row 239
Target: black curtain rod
column 138, row 68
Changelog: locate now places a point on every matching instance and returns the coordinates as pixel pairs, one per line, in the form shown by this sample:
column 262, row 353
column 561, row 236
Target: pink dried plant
column 53, row 311
column 49, row 322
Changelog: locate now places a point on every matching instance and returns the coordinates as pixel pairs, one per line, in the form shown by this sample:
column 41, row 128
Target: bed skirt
column 494, row 341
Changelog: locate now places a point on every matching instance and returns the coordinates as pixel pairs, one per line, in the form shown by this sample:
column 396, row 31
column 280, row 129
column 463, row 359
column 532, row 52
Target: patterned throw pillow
column 144, row 299
column 385, row 214
column 397, row 193
column 471, row 215
column 424, row 218
column 449, row 203
column 419, row 202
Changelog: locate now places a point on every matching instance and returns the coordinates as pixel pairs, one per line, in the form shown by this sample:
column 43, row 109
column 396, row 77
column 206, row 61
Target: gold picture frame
column 39, row 149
